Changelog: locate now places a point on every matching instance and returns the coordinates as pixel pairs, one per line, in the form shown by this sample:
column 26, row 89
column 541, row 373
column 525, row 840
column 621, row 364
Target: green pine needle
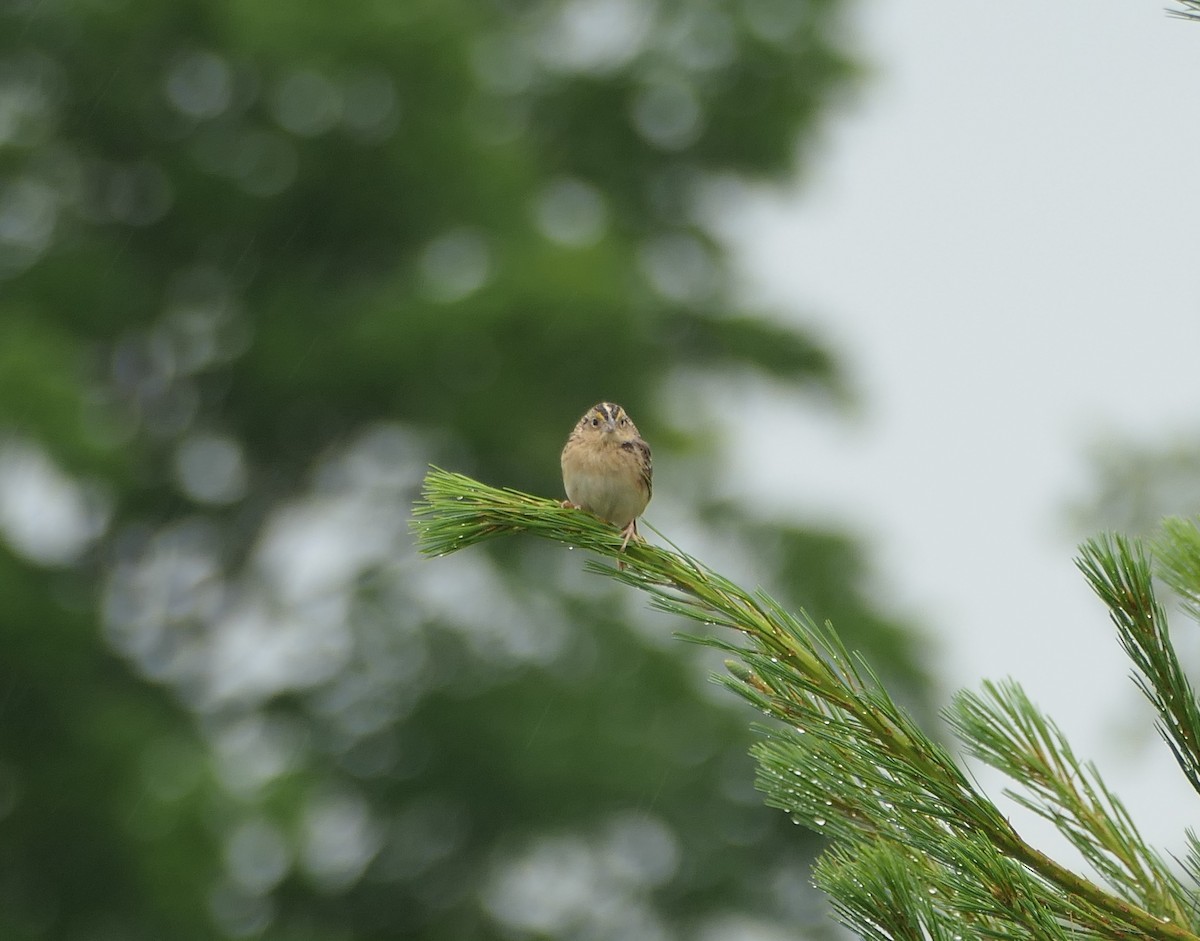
column 1006, row 730
column 1177, row 553
column 1119, row 572
column 918, row 851
column 1190, row 10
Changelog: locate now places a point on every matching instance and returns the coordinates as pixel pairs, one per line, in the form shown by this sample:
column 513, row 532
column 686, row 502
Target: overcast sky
column 1000, row 237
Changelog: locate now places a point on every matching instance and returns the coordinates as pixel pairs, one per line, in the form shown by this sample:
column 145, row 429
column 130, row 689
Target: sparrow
column 606, row 468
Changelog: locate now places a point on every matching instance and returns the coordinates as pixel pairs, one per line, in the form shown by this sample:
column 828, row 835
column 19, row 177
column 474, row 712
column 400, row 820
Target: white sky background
column 1000, row 238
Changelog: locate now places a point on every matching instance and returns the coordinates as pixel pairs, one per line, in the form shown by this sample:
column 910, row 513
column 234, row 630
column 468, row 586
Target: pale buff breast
column 617, row 498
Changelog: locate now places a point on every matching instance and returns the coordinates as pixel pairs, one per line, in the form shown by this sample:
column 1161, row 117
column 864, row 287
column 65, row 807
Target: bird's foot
column 629, row 532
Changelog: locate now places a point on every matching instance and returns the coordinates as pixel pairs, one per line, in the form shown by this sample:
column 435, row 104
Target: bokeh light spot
column 255, row 750
column 210, row 468
column 256, row 855
column 678, row 266
column 596, row 35
column 642, row 848
column 306, row 103
column 30, row 88
column 456, row 265
column 264, row 163
column 28, row 214
column 339, row 839
column 702, row 39
column 239, row 914
column 776, row 21
column 571, row 212
column 45, row 515
column 370, row 105
column 428, row 829
column 502, row 65
column 667, row 113
column 200, row 84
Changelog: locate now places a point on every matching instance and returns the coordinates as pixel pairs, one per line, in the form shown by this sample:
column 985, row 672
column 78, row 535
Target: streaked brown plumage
column 606, row 468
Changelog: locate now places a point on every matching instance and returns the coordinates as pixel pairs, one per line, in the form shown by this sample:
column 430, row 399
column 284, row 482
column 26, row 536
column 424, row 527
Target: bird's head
column 607, row 420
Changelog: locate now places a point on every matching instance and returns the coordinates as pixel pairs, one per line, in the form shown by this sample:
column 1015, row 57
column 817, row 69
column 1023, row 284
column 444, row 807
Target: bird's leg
column 629, row 532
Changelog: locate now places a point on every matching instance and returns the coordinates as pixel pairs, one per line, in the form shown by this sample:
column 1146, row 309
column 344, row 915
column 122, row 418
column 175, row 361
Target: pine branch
column 845, row 761
column 884, row 894
column 1191, row 863
column 1190, row 11
column 1119, row 572
column 1177, row 552
column 1005, row 730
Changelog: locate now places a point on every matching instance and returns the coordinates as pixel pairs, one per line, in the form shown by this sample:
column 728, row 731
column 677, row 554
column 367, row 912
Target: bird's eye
column 624, row 421
column 595, row 422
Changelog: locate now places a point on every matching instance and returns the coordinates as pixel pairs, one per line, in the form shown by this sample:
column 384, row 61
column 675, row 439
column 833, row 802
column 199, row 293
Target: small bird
column 606, row 468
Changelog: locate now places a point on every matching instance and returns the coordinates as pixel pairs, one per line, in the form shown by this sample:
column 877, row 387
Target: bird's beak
column 609, row 426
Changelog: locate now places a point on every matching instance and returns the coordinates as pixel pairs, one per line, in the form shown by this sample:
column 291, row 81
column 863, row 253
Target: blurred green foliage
column 1134, row 484
column 259, row 265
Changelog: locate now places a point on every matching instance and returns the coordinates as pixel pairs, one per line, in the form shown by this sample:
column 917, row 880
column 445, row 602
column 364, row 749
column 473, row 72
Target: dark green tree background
column 260, row 263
